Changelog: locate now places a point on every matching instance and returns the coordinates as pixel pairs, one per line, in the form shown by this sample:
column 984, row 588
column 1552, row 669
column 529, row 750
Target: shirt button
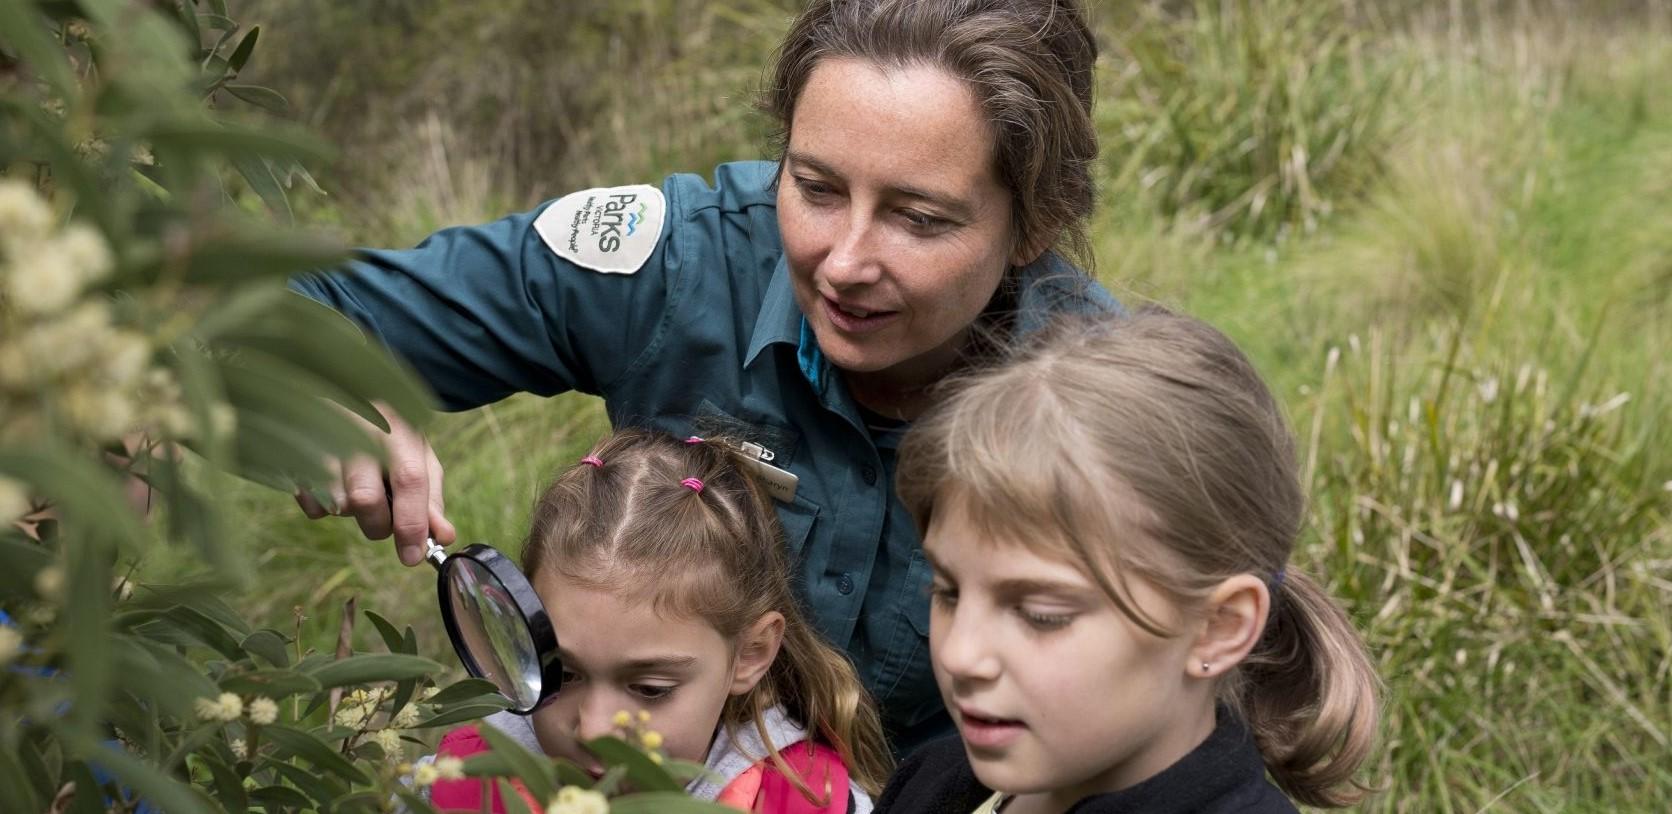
column 844, row 585
column 869, row 473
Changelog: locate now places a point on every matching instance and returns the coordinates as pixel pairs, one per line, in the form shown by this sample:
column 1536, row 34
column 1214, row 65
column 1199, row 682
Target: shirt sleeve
column 481, row 312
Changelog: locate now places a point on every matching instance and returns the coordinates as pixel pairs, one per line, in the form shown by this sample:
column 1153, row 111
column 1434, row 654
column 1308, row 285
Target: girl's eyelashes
column 652, row 692
column 1044, row 622
column 943, row 595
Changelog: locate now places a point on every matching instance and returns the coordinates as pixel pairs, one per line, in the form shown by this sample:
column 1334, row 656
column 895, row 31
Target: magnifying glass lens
column 494, row 634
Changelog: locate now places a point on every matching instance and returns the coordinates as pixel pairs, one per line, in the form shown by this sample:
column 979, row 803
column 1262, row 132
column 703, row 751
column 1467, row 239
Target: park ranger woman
column 934, row 172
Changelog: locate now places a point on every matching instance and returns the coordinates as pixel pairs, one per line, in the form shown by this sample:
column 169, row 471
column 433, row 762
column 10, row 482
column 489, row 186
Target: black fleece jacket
column 1224, row 775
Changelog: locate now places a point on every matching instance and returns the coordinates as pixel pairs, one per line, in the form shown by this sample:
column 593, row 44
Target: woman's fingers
column 365, row 500
column 440, row 528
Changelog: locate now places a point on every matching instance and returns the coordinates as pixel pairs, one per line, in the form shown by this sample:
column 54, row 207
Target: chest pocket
column 797, row 519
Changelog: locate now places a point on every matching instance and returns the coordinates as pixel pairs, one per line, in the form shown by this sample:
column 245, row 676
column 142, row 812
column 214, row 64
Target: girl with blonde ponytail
column 1115, row 625
column 666, row 579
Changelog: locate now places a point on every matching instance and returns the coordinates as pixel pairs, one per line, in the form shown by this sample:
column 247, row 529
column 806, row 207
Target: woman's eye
column 570, row 677
column 813, row 190
column 651, row 692
column 924, row 223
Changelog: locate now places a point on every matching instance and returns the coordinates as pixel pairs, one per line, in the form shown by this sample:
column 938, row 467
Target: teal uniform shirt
column 703, row 338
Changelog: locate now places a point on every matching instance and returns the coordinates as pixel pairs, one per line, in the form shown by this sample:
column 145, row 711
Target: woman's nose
column 852, row 260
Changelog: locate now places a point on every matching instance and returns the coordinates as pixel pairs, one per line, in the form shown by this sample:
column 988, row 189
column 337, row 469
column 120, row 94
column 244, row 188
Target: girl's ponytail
column 1310, row 696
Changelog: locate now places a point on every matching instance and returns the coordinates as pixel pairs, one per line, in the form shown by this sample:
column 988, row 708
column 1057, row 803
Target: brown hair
column 1154, row 427
column 714, row 554
column 1029, row 64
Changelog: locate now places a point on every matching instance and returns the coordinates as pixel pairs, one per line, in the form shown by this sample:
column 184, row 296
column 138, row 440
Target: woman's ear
column 757, row 648
column 1027, row 251
column 1236, row 617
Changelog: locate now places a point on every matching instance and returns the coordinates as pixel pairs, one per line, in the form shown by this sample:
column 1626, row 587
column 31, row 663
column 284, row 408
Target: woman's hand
column 411, row 507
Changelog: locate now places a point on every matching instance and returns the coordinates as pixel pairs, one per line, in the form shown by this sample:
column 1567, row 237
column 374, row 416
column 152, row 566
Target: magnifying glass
column 498, row 626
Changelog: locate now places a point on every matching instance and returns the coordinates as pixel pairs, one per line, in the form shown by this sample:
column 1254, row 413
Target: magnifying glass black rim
column 528, row 604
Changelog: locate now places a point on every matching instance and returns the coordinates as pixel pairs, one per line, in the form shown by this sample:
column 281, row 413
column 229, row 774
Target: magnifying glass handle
column 433, row 554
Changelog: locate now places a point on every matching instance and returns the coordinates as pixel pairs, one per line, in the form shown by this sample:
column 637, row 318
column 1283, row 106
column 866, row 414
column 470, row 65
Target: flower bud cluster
column 67, row 362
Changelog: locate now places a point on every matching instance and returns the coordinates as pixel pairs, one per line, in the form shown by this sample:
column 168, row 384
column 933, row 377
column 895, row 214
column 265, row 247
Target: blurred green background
column 1442, row 229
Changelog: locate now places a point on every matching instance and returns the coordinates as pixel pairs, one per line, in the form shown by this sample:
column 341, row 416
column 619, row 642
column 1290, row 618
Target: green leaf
column 28, row 36
column 23, row 560
column 514, row 802
column 535, row 771
column 16, row 792
column 366, row 801
column 414, row 803
column 665, row 802
column 364, row 669
column 218, row 7
column 218, row 21
column 88, row 495
column 271, row 683
column 86, row 627
column 34, row 766
column 641, row 772
column 270, row 645
column 321, row 788
column 251, row 253
column 159, row 675
column 229, row 789
column 313, row 750
column 79, row 774
column 246, row 46
column 258, row 173
column 391, row 636
column 147, row 781
column 208, row 137
column 201, row 628
column 203, row 596
column 465, row 712
column 262, row 97
column 466, row 689
column 280, row 796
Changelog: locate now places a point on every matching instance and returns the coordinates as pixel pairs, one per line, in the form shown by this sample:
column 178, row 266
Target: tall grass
column 1443, row 231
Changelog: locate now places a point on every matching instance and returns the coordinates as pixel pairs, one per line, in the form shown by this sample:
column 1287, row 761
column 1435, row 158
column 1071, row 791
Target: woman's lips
column 848, row 321
column 981, row 731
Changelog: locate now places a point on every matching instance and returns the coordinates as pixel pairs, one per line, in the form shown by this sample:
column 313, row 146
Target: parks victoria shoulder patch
column 607, row 229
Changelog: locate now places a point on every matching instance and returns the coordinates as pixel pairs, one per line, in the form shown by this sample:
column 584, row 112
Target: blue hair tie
column 1277, row 581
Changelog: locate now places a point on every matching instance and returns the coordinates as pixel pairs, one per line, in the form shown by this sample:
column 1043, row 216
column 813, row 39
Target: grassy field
column 1445, row 235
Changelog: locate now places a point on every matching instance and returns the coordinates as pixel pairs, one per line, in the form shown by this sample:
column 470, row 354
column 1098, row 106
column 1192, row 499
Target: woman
column 935, row 163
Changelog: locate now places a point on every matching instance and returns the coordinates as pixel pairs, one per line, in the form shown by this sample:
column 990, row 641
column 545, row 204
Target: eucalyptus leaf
column 535, row 771
column 665, row 802
column 36, row 47
column 149, row 782
column 281, row 796
column 258, row 173
column 252, row 252
column 17, row 793
column 261, row 97
column 322, row 788
column 641, row 772
column 246, row 46
column 270, row 645
column 313, row 750
column 229, row 788
column 512, row 799
column 367, row 668
column 465, row 712
column 464, row 690
column 271, row 683
column 391, row 636
column 86, row 632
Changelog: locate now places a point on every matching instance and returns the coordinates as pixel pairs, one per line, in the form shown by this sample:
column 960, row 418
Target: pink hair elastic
column 693, row 484
column 593, row 461
column 692, row 440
